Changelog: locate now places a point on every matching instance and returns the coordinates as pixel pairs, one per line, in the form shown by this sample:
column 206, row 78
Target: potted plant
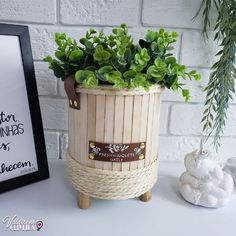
column 114, row 88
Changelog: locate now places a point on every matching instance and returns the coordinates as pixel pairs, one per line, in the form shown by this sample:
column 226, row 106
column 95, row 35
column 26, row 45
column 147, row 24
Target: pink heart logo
column 39, row 225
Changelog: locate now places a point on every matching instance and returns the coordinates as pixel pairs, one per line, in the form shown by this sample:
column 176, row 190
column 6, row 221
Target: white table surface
column 54, row 202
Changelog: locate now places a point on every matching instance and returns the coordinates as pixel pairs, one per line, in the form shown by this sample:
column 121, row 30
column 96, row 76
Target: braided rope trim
column 107, row 184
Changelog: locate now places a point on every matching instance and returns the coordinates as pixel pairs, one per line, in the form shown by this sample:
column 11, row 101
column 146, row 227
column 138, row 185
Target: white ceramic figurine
column 204, row 182
column 230, row 167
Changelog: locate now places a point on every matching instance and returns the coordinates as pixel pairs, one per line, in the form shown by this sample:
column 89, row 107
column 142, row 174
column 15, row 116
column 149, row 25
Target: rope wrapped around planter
column 107, row 184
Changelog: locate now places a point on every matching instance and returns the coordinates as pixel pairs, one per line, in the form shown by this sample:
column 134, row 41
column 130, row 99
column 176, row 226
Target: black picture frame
column 32, row 94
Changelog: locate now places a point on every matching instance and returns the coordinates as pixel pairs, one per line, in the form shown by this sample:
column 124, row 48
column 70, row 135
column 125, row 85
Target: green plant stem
column 113, row 65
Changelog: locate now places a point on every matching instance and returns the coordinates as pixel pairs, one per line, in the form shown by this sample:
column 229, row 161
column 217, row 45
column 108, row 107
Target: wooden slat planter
column 113, row 117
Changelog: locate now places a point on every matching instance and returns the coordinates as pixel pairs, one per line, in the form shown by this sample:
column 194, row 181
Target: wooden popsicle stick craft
column 113, row 87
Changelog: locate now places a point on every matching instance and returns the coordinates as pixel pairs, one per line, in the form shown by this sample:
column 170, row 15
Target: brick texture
column 43, row 11
column 174, row 148
column 111, row 12
column 172, row 13
column 52, row 144
column 195, row 51
column 186, row 120
column 54, row 113
column 46, row 81
column 64, row 145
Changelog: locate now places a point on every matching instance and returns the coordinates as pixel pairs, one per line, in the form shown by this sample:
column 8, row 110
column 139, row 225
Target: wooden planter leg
column 84, row 201
column 146, row 196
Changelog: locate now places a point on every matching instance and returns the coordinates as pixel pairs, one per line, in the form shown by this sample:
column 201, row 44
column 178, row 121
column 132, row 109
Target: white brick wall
column 47, row 83
column 34, row 11
column 195, row 51
column 52, row 144
column 180, row 130
column 171, row 13
column 97, row 12
column 54, row 113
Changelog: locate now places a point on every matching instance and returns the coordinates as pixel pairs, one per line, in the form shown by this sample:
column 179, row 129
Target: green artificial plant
column 115, row 59
column 221, row 83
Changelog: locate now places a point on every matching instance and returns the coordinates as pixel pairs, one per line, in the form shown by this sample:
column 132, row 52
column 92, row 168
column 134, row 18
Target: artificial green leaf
column 170, row 81
column 197, row 77
column 115, row 59
column 76, row 55
column 174, row 34
column 91, row 68
column 101, row 54
column 129, row 74
column 105, row 69
column 143, row 43
column 153, row 71
column 114, row 31
column 59, row 72
column 140, row 60
column 123, row 26
column 154, row 46
column 86, row 42
column 48, row 59
column 60, row 55
column 81, row 75
column 170, row 60
column 185, row 93
column 90, row 81
column 92, row 31
column 151, row 36
column 113, row 76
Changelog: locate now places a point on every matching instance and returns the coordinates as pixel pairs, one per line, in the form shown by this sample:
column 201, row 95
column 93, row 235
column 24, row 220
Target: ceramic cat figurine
column 204, row 182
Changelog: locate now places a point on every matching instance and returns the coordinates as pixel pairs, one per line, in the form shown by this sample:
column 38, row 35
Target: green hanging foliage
column 221, row 83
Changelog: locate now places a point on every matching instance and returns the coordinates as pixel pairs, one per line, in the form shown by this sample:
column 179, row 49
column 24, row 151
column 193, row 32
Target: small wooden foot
column 146, row 196
column 84, row 201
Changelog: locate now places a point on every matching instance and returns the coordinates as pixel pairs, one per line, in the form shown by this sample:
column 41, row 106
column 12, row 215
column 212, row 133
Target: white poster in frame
column 22, row 147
